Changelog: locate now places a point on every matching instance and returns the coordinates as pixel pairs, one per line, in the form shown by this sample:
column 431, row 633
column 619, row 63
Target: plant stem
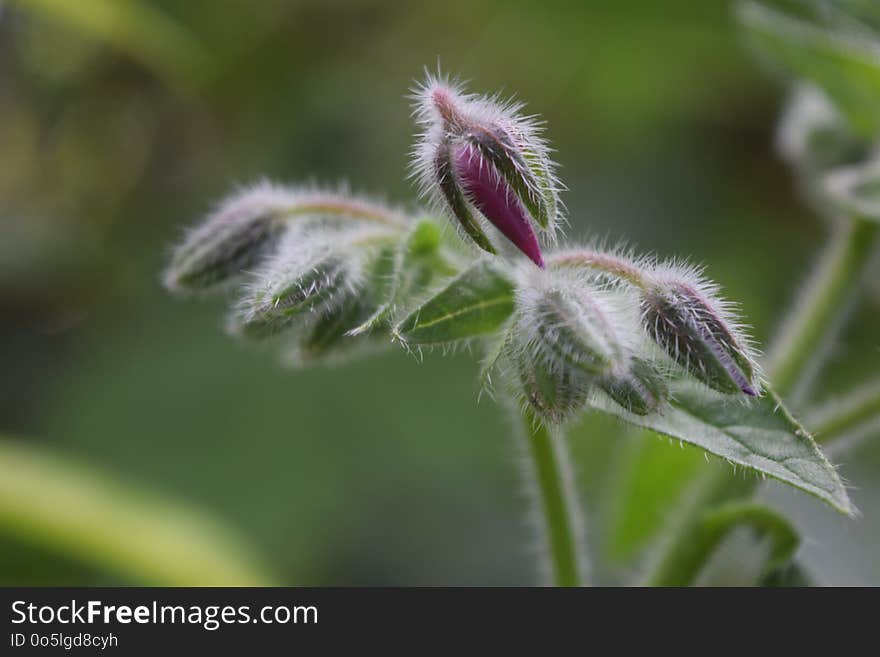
column 826, row 296
column 611, row 264
column 856, row 409
column 550, row 470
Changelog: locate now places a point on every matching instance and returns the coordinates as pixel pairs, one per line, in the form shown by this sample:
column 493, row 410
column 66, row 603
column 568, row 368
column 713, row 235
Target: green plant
column 326, row 275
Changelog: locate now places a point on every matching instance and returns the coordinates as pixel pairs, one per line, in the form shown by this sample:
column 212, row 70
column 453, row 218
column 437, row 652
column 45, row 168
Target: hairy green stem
column 607, row 263
column 826, row 296
column 857, row 409
column 351, row 210
column 556, row 501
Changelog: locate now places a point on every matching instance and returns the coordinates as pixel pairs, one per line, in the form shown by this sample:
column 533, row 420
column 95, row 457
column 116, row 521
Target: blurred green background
column 122, row 122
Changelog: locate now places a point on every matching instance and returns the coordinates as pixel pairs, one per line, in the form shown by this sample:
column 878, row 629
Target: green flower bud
column 640, row 389
column 687, row 319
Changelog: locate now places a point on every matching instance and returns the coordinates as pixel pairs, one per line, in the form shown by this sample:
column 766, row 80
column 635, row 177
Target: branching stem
column 826, row 296
column 857, row 409
column 606, row 263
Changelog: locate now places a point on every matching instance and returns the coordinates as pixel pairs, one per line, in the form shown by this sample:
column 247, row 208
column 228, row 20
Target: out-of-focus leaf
column 651, row 478
column 845, row 63
column 856, row 190
column 138, row 28
column 64, row 506
column 759, row 434
column 715, row 526
column 475, row 303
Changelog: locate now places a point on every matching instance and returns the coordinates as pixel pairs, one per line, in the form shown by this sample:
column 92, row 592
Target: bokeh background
column 132, row 426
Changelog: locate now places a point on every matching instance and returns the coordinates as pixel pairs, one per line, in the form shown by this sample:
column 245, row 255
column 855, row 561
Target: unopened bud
column 555, row 395
column 246, row 228
column 232, row 240
column 682, row 314
column 496, row 200
column 479, row 158
column 291, row 292
column 640, row 389
column 570, row 328
column 564, row 340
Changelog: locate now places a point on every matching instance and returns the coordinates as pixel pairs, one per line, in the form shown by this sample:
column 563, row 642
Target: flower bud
column 311, row 275
column 328, row 341
column 234, row 238
column 496, row 200
column 640, row 389
column 571, row 331
column 290, row 292
column 683, row 315
column 564, row 339
column 247, row 227
column 481, row 159
column 556, row 395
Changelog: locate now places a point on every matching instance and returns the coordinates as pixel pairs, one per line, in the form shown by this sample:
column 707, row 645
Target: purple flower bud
column 481, row 161
column 683, row 315
column 498, row 202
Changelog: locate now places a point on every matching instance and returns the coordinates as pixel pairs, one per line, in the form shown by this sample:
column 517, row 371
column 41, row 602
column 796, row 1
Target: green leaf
column 766, row 522
column 650, row 481
column 759, row 434
column 475, row 303
column 845, row 64
column 48, row 500
column 715, row 525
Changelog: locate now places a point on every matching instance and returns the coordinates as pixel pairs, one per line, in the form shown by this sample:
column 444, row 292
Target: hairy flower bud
column 290, row 292
column 640, row 389
column 310, row 277
column 497, row 200
column 234, row 238
column 479, row 158
column 556, row 395
column 246, row 227
column 683, row 315
column 564, row 339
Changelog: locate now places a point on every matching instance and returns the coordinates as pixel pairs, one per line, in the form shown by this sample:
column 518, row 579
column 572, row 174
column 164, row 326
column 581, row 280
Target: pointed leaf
column 475, row 303
column 649, row 481
column 760, row 435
